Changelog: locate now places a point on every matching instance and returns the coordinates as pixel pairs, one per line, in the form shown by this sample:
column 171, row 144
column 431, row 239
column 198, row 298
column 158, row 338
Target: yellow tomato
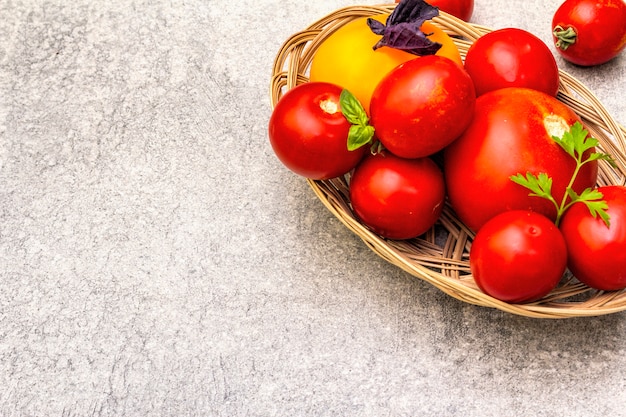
column 346, row 57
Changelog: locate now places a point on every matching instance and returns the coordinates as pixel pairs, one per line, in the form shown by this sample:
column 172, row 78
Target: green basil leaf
column 352, row 109
column 359, row 135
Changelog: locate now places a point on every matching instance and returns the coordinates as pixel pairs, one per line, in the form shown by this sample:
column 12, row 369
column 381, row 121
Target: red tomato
column 397, row 198
column 309, row 134
column 518, row 256
column 597, row 253
column 511, row 133
column 421, row 106
column 462, row 9
column 512, row 57
column 590, row 32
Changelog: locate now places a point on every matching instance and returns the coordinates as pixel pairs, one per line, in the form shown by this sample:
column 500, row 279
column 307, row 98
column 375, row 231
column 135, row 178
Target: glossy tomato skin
column 512, row 57
column 600, row 28
column 397, row 198
column 597, row 253
column 309, row 134
column 511, row 133
column 463, row 9
column 518, row 256
column 346, row 57
column 421, row 106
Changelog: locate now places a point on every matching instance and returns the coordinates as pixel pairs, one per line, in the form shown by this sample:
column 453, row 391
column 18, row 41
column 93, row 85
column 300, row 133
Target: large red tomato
column 463, row 9
column 422, row 106
column 397, row 198
column 511, row 133
column 518, row 256
column 597, row 253
column 590, row 32
column 309, row 133
column 512, row 57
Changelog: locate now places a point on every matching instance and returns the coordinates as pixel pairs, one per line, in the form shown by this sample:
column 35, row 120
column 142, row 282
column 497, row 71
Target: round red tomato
column 309, row 134
column 397, row 198
column 590, row 32
column 512, row 57
column 511, row 133
column 421, row 106
column 597, row 253
column 518, row 256
column 463, row 9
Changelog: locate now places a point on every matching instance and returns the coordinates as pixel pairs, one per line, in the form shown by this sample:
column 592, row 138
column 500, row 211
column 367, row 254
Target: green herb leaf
column 352, row 108
column 596, row 156
column 359, row 135
column 593, row 199
column 361, row 132
column 539, row 185
column 576, row 142
column 599, row 208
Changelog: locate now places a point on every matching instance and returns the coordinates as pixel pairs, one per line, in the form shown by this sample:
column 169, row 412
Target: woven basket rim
column 446, row 266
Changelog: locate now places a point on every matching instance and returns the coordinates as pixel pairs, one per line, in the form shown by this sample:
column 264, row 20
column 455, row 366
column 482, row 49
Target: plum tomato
column 347, row 57
column 597, row 253
column 462, row 9
column 512, row 57
column 511, row 133
column 309, row 133
column 397, row 198
column 421, row 106
column 589, row 32
column 518, row 256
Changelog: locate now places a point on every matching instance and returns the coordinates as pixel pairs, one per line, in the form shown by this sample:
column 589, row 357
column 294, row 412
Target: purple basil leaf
column 412, row 11
column 376, row 26
column 407, row 38
column 402, row 30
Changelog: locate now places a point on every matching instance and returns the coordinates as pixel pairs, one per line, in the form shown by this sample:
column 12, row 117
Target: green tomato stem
column 565, row 37
column 564, row 205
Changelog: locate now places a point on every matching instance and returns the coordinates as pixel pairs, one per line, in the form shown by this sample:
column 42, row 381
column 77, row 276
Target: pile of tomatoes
column 414, row 132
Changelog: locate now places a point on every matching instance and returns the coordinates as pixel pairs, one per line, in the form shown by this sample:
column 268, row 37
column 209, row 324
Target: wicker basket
column 441, row 256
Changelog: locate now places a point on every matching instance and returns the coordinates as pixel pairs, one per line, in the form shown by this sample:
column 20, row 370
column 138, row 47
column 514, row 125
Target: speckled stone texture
column 157, row 260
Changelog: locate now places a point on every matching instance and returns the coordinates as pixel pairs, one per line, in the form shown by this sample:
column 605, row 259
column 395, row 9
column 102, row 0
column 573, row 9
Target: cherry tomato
column 346, row 57
column 511, row 133
column 597, row 253
column 463, row 9
column 309, row 134
column 590, row 32
column 422, row 106
column 397, row 198
column 512, row 57
column 518, row 256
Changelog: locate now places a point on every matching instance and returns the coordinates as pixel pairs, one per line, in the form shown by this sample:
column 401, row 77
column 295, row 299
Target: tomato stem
column 565, row 37
column 563, row 206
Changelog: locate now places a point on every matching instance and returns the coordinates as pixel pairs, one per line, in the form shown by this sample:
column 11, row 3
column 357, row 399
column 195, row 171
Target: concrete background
column 157, row 260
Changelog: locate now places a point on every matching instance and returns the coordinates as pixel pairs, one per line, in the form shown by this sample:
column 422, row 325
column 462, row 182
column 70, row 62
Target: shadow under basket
column 441, row 256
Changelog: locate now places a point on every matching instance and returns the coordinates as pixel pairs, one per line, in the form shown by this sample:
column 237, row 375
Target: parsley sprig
column 576, row 142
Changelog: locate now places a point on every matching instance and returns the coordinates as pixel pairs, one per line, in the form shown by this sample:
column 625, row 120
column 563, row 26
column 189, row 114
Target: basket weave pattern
column 441, row 256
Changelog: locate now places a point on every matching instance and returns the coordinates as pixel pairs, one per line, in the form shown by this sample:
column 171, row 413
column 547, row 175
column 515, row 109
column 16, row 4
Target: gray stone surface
column 157, row 260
